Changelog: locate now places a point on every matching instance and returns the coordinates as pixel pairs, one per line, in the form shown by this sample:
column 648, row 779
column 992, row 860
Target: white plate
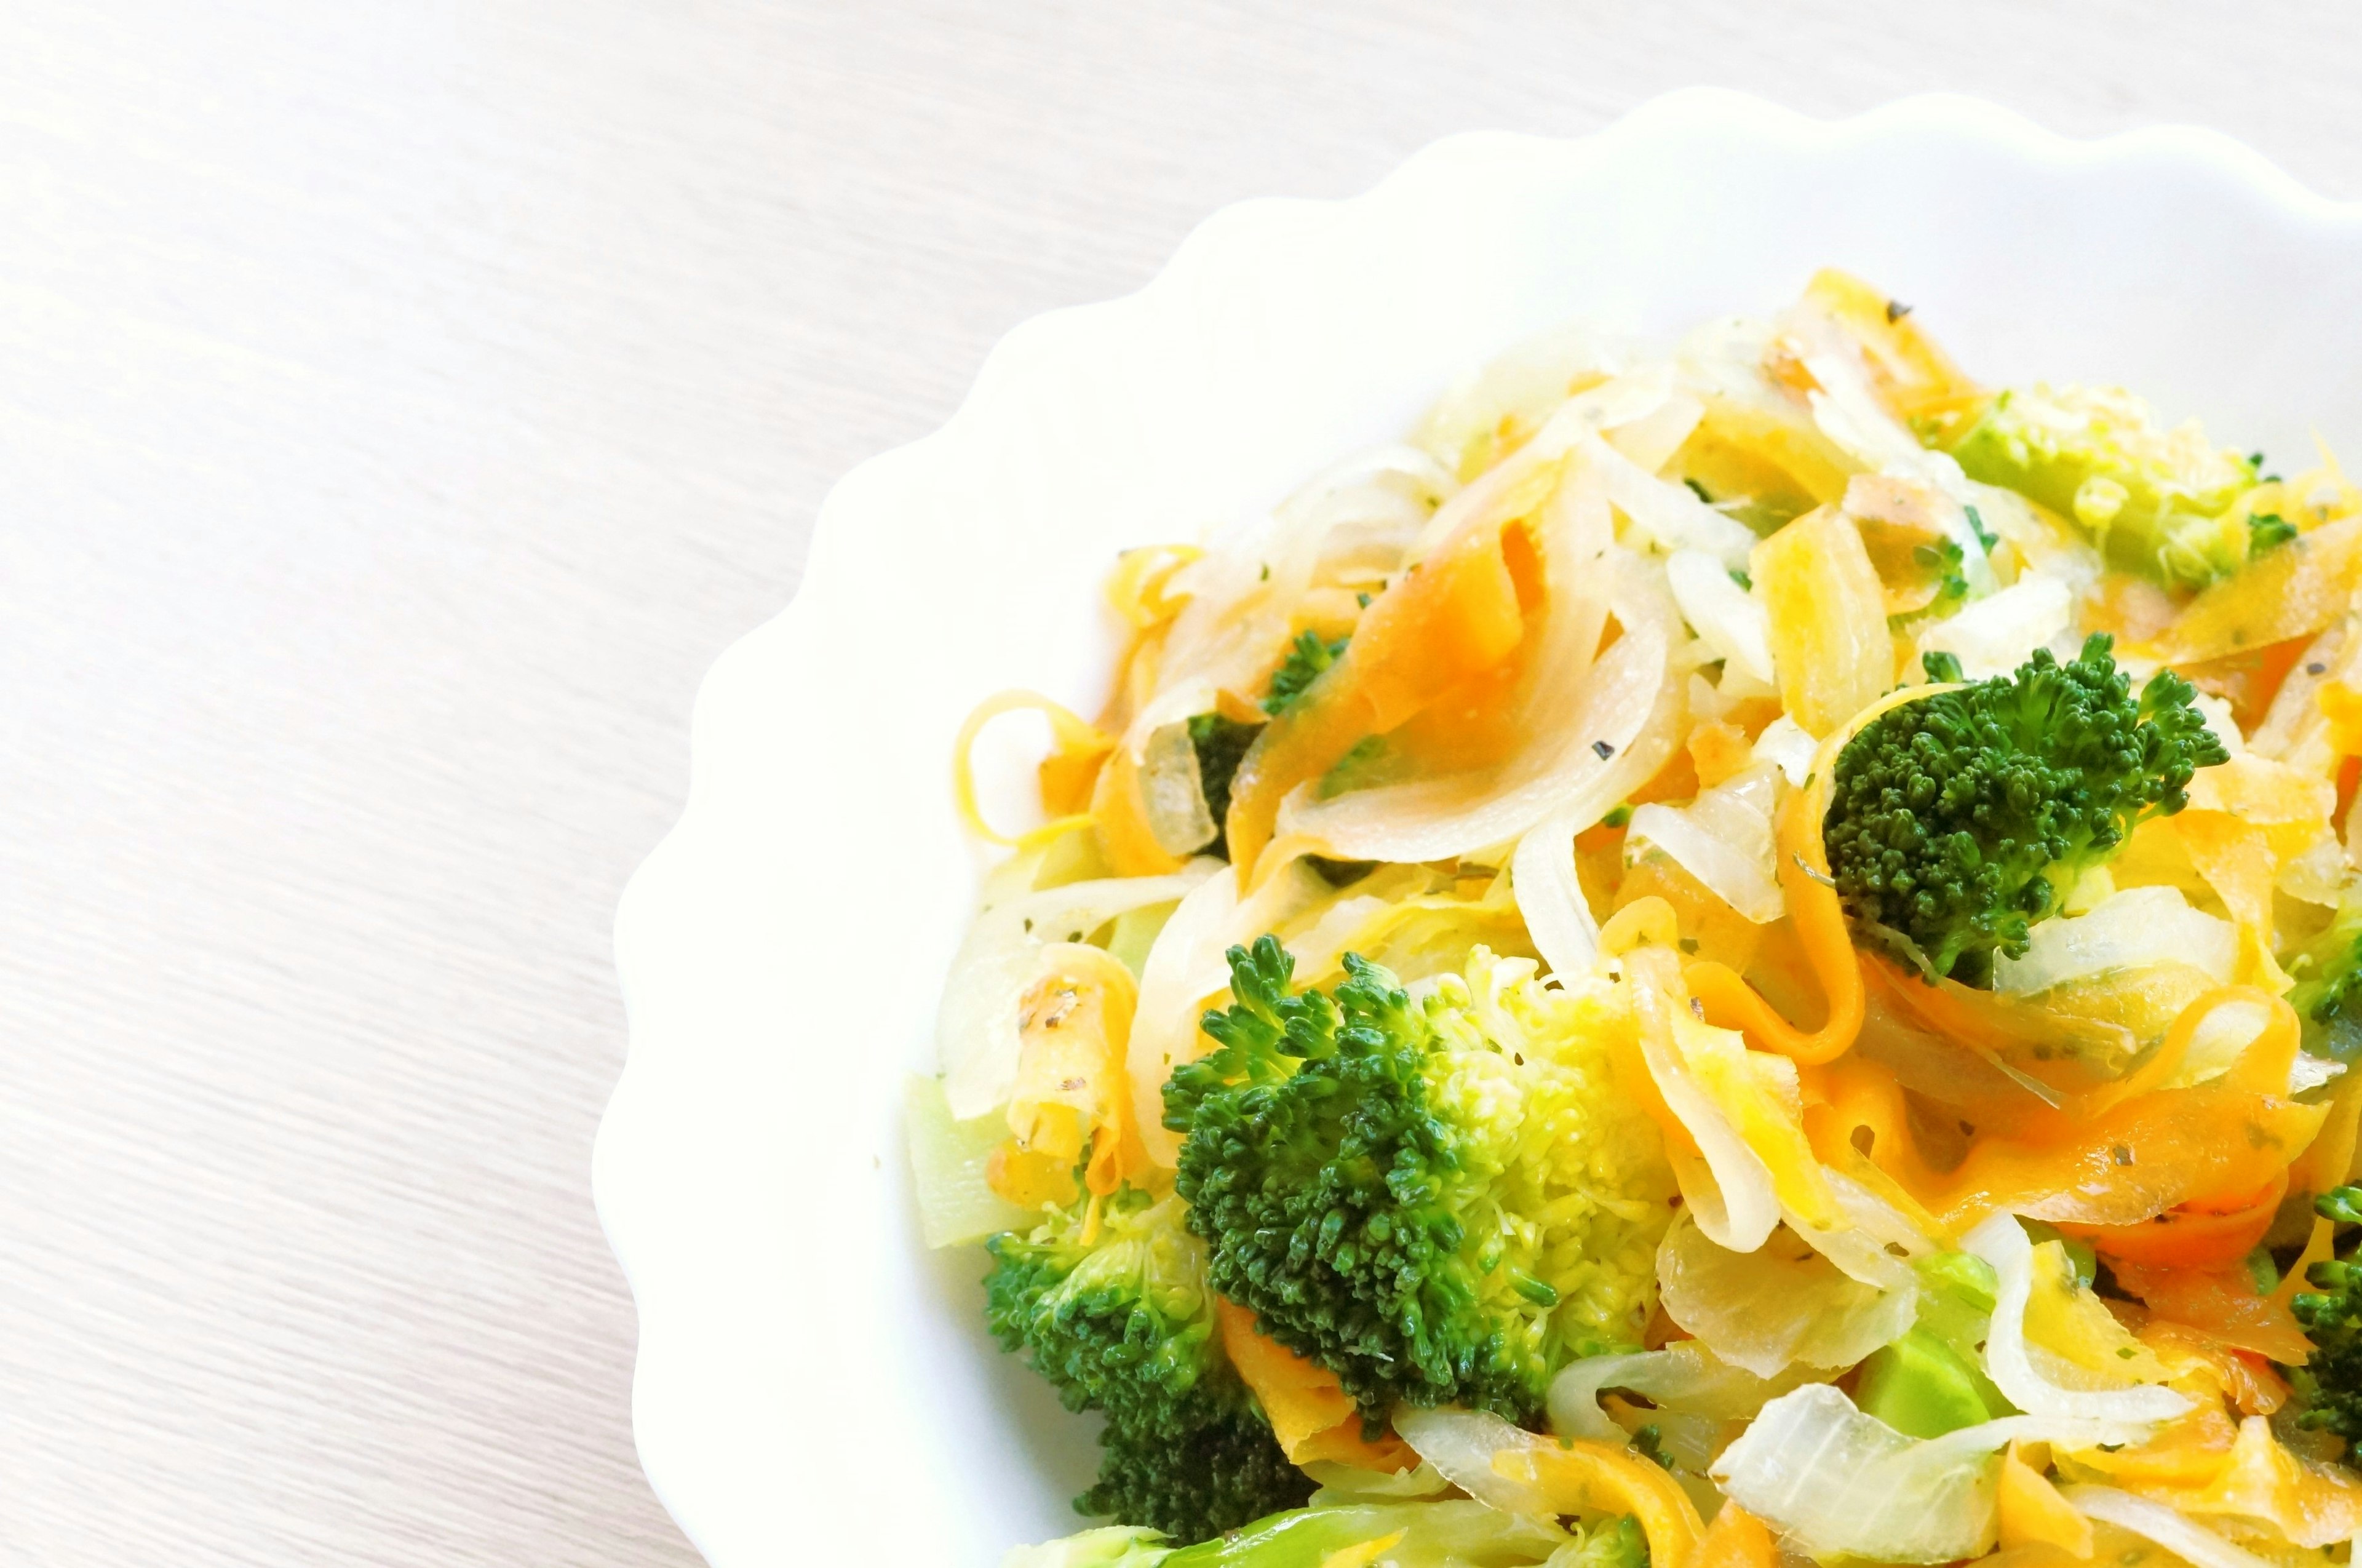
column 812, row 1386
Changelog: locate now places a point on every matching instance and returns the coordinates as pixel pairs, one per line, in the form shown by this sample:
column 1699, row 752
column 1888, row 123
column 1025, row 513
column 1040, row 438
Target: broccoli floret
column 2159, row 503
column 1207, row 1481
column 1440, row 1200
column 1617, row 1541
column 1958, row 821
column 1307, row 658
column 1121, row 1321
column 2331, row 1379
column 2327, row 995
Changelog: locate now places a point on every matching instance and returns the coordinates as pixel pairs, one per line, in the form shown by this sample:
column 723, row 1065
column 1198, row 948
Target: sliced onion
column 1668, row 516
column 976, row 1025
column 2002, row 1242
column 1726, row 1187
column 2308, row 1073
column 1930, row 498
column 2317, row 875
column 1171, row 792
column 1778, row 1306
column 1786, row 747
column 1651, row 440
column 1367, row 513
column 1996, row 634
column 1549, row 896
column 1578, row 419
column 1464, row 1445
column 2130, row 929
column 1851, row 415
column 1724, row 839
column 2224, row 1034
column 1241, row 600
column 1523, row 387
column 1837, row 1483
column 1186, row 965
column 1721, row 611
column 1875, row 1243
column 2186, row 1539
column 1684, row 1376
column 2295, row 711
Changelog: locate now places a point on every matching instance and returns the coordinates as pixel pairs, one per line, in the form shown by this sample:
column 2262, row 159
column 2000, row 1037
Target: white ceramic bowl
column 812, row 1386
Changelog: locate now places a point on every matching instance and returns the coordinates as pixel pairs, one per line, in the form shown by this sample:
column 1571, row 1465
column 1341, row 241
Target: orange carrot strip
column 1736, row 1538
column 1309, row 1411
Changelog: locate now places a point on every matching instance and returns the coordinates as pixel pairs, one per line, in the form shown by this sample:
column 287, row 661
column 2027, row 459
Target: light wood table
column 401, row 403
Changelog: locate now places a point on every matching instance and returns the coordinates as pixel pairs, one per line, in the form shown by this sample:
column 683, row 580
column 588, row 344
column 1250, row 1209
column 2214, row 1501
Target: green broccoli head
column 1958, row 821
column 2158, row 502
column 1442, row 1199
column 1206, row 1482
column 2330, row 1382
column 1120, row 1321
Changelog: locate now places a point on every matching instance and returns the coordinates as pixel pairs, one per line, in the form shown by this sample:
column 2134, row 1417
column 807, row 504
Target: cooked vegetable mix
column 1740, row 954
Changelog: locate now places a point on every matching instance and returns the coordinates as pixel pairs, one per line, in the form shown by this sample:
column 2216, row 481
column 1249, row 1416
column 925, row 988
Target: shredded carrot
column 1081, row 746
column 2222, row 1304
column 1718, row 750
column 1120, row 814
column 1814, row 910
column 1458, row 614
column 1309, row 1411
column 2190, row 1235
column 1137, row 590
column 2034, row 1513
column 2248, row 680
column 1860, row 1102
column 1731, row 1004
column 1736, row 1538
column 1073, row 1089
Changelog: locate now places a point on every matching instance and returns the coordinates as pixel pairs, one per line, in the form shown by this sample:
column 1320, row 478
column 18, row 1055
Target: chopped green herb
column 1985, row 536
column 2268, row 532
column 1650, row 1441
column 1307, row 658
column 1339, row 873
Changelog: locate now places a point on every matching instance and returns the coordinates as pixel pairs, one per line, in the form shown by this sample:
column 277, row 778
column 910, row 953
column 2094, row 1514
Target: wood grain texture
column 400, row 404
